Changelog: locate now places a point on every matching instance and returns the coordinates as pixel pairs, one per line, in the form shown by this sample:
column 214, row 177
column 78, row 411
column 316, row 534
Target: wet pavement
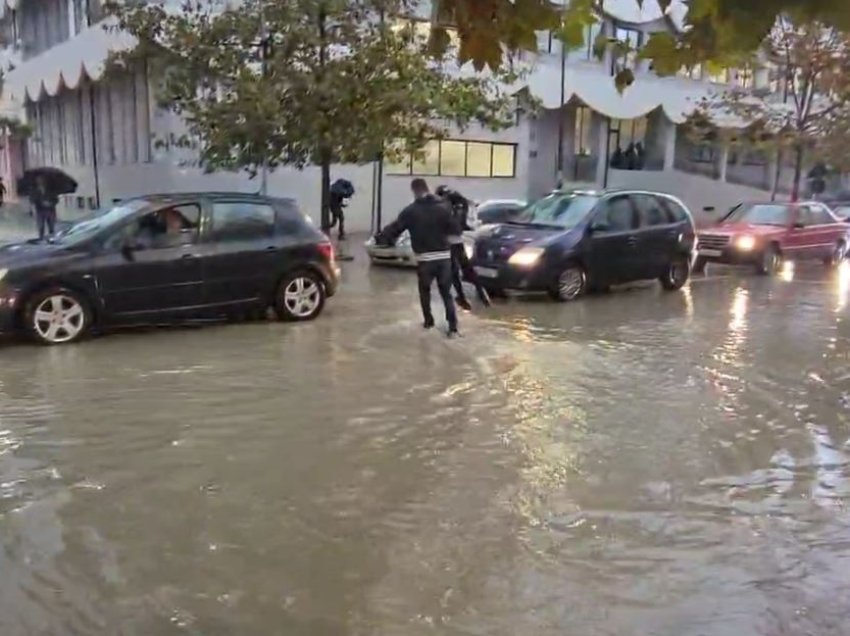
column 636, row 463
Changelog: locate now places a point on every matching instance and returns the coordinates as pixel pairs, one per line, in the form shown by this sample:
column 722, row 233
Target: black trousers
column 441, row 271
column 338, row 216
column 46, row 221
column 463, row 269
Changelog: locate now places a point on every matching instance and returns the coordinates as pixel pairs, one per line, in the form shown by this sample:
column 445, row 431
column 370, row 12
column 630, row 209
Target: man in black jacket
column 461, row 267
column 430, row 223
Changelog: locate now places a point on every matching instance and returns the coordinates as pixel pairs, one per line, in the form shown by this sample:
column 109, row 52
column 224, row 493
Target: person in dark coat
column 2, row 192
column 630, row 157
column 430, row 224
column 44, row 203
column 461, row 267
column 341, row 190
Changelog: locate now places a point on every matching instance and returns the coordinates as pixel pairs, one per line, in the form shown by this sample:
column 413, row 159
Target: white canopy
column 66, row 64
column 588, row 82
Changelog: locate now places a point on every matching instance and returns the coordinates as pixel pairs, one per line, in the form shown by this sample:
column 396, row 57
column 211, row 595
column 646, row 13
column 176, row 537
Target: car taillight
column 327, row 250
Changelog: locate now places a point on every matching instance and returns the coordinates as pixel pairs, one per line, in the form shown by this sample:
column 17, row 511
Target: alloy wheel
column 59, row 318
column 570, row 283
column 302, row 296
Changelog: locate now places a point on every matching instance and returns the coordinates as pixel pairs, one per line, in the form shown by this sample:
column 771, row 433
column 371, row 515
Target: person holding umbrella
column 43, row 187
column 44, row 202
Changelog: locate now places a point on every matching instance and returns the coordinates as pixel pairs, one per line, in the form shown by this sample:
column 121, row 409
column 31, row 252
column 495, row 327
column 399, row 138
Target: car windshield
column 90, row 227
column 761, row 214
column 558, row 209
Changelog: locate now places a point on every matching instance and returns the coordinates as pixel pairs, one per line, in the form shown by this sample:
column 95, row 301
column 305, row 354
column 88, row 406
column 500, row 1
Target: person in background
column 640, row 154
column 44, row 202
column 430, row 224
column 341, row 190
column 461, row 267
column 2, row 192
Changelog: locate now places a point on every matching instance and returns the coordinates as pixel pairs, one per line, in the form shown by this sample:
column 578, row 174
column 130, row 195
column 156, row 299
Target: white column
column 669, row 145
column 724, row 162
column 601, row 149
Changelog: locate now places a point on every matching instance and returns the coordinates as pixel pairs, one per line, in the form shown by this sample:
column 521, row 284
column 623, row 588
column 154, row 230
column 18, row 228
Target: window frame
column 604, row 209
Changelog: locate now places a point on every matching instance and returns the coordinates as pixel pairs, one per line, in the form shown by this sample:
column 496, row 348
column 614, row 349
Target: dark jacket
column 460, row 209
column 430, row 223
column 44, row 201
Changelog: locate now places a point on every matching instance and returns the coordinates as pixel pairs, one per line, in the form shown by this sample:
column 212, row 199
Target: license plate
column 487, row 272
column 714, row 253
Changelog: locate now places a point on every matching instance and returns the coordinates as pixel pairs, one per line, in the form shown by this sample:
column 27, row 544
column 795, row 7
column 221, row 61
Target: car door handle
column 271, row 248
column 632, row 240
column 187, row 257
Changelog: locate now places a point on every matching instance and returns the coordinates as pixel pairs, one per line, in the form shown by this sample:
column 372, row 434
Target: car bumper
column 731, row 256
column 505, row 276
column 399, row 256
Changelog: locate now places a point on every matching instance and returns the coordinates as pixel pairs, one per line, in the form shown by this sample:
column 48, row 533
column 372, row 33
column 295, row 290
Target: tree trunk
column 326, row 192
column 777, row 176
column 798, row 172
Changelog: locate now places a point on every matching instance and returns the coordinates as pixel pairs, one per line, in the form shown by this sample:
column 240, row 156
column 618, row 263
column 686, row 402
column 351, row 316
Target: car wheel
column 677, row 275
column 771, row 261
column 838, row 255
column 699, row 265
column 571, row 284
column 57, row 316
column 300, row 296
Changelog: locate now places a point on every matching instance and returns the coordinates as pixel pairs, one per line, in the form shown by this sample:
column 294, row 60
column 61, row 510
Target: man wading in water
column 430, row 223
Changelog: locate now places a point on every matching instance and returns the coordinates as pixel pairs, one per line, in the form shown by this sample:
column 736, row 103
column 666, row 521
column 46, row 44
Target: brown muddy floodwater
column 633, row 464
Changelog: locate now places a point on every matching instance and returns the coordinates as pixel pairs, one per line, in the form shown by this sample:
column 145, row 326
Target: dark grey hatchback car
column 167, row 258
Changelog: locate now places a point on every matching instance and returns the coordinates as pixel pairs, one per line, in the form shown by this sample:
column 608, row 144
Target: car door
column 823, row 232
column 240, row 251
column 613, row 241
column 657, row 236
column 149, row 266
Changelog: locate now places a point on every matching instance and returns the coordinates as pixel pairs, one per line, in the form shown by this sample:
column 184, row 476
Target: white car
column 401, row 254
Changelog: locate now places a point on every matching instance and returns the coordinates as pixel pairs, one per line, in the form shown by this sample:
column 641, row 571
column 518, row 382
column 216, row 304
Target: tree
column 305, row 82
column 813, row 61
column 716, row 29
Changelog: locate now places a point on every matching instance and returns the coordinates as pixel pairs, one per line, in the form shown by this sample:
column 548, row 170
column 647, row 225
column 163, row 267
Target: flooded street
column 636, row 463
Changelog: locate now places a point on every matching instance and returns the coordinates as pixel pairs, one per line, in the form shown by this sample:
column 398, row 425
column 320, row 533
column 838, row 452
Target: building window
column 745, row 77
column 628, row 131
column 702, row 153
column 459, row 158
column 584, row 120
column 719, row 77
column 591, row 33
column 630, row 39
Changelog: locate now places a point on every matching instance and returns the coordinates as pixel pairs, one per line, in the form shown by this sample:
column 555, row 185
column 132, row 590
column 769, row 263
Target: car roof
column 174, row 196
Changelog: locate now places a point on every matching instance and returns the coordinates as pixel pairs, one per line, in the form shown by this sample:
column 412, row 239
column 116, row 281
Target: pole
column 265, row 51
column 607, row 154
column 379, row 208
column 560, row 171
column 93, row 120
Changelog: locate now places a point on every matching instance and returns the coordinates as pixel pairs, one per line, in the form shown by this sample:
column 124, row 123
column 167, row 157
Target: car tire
column 838, row 256
column 495, row 292
column 700, row 263
column 677, row 274
column 570, row 284
column 300, row 296
column 56, row 316
column 771, row 261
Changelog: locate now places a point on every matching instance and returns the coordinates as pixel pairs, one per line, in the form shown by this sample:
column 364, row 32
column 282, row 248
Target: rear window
column 242, row 221
column 290, row 219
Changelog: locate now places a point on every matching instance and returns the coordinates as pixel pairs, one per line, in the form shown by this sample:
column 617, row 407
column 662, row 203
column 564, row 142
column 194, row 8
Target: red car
column 765, row 234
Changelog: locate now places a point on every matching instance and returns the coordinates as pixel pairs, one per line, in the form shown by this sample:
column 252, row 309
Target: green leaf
column 623, row 79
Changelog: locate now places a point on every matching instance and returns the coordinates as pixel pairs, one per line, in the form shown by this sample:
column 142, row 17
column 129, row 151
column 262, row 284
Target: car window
column 242, row 221
column 560, row 209
column 761, row 214
column 819, row 215
column 674, row 209
column 289, row 218
column 650, row 210
column 168, row 226
column 617, row 215
column 842, row 211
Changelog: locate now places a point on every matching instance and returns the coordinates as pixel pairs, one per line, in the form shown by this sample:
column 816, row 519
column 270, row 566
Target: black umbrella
column 57, row 182
column 343, row 188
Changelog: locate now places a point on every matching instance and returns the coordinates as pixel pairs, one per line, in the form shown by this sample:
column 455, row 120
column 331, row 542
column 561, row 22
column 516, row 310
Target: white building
column 104, row 131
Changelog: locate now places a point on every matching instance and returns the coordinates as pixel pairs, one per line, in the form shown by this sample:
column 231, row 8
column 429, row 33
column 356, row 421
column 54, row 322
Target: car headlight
column 469, row 248
column 745, row 243
column 526, row 257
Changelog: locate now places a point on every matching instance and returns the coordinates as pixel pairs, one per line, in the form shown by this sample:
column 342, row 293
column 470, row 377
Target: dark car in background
column 574, row 240
column 168, row 258
column 762, row 235
column 498, row 210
